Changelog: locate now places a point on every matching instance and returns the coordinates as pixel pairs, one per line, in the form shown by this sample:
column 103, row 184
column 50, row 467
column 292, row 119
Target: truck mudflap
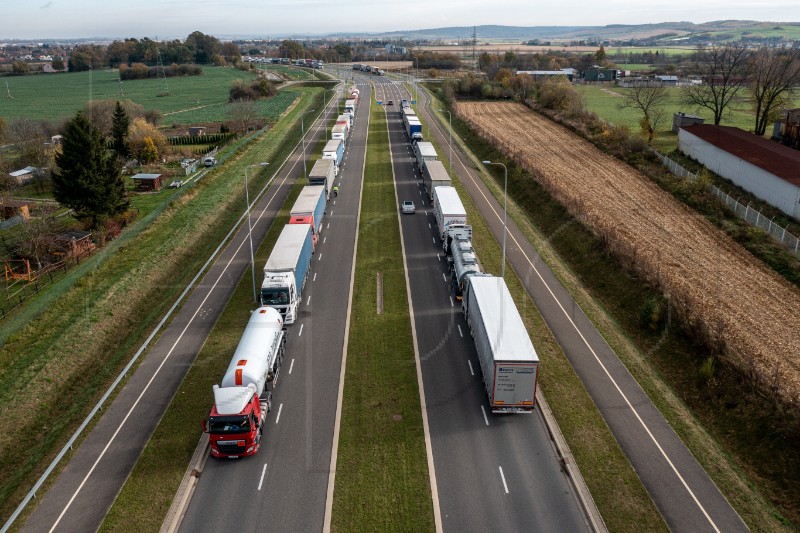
column 513, row 409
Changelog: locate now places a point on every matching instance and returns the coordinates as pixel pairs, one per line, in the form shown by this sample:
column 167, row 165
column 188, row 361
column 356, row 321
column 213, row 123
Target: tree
column 291, row 49
column 119, row 131
column 205, row 47
column 649, row 98
column 138, row 133
column 600, row 55
column 723, row 70
column 57, row 63
column 19, row 68
column 148, row 152
column 775, row 74
column 88, row 179
column 558, row 94
column 244, row 114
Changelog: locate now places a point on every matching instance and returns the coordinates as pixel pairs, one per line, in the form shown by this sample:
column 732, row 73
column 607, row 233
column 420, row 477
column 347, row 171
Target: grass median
column 382, row 481
column 74, row 349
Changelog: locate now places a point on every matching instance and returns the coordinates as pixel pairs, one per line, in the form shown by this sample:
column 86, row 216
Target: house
column 764, row 168
column 600, row 74
column 545, row 74
column 197, row 131
column 147, row 182
column 787, row 130
column 667, row 81
column 24, row 175
column 13, row 208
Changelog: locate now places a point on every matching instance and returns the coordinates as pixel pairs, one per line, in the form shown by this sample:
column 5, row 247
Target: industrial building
column 764, row 168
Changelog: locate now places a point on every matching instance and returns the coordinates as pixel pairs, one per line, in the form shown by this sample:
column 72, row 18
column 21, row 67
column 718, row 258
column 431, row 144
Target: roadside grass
column 147, row 494
column 617, row 490
column 604, row 101
column 382, row 481
column 733, row 432
column 78, row 343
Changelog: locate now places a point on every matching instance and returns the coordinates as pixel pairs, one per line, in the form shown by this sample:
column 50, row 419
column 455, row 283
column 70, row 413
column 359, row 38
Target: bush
column 557, row 94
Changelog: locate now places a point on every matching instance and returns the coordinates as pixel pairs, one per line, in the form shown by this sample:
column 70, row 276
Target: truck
column 414, row 129
column 345, row 119
column 435, row 175
column 322, row 173
column 334, row 149
column 309, row 208
column 424, row 151
column 286, row 270
column 339, row 131
column 508, row 360
column 447, row 210
column 236, row 422
column 350, row 106
column 464, row 263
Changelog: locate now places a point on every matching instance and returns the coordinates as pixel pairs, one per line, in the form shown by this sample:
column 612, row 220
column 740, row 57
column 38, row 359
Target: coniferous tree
column 89, row 179
column 119, row 131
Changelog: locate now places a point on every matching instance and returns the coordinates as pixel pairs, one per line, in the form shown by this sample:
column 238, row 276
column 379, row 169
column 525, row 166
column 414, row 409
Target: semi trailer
column 286, row 270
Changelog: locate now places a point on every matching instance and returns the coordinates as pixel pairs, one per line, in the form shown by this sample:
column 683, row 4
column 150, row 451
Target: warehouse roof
column 775, row 158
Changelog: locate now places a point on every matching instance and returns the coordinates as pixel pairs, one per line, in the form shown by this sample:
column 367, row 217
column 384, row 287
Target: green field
column 56, row 96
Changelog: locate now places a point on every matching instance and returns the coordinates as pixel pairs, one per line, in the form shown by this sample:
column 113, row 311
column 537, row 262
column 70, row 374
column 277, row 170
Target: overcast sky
column 165, row 19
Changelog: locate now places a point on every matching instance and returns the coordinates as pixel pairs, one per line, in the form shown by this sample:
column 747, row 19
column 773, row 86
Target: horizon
column 175, row 19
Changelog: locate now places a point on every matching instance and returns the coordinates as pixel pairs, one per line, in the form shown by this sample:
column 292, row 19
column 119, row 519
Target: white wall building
column 765, row 168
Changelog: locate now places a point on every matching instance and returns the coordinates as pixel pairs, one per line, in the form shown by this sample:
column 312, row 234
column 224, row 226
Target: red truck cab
column 239, row 434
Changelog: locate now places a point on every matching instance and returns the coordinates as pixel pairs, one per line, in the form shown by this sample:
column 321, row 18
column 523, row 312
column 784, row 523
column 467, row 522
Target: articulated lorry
column 507, row 357
column 345, row 119
column 334, row 149
column 350, row 107
column 449, row 212
column 241, row 401
column 435, row 175
column 287, row 269
column 339, row 131
column 322, row 173
column 309, row 208
column 414, row 130
column 424, row 152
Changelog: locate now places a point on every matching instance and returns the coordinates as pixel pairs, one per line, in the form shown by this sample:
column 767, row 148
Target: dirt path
column 719, row 288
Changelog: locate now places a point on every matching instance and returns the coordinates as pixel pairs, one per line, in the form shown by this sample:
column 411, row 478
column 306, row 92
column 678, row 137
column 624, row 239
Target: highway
column 493, row 472
column 81, row 495
column 284, row 486
column 684, row 494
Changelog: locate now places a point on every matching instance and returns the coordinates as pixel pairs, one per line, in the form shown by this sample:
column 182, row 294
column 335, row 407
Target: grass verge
column 734, row 432
column 617, row 490
column 382, row 481
column 77, row 345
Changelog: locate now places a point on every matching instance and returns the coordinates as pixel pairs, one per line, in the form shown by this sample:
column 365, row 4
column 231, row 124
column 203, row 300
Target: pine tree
column 119, row 131
column 89, row 180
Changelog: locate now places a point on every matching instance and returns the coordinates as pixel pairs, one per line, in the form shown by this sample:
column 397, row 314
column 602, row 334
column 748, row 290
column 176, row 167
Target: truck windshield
column 275, row 296
column 229, row 424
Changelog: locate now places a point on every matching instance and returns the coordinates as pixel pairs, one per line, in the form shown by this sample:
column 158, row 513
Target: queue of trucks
column 369, row 69
column 243, row 398
column 507, row 357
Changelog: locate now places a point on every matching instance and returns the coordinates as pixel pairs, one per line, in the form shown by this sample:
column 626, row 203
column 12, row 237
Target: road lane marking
column 505, row 486
column 451, row 301
column 443, row 276
column 263, row 471
column 279, row 413
column 319, row 258
column 324, row 240
column 470, row 371
column 431, row 227
column 291, row 366
column 315, row 277
column 485, row 419
column 300, row 333
column 459, row 331
column 328, row 226
column 434, row 240
column 439, row 257
column 308, row 302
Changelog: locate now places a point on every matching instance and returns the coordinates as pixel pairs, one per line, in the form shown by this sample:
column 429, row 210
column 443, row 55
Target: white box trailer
column 435, row 175
column 339, row 131
column 506, row 354
column 447, row 209
column 322, row 173
column 424, row 151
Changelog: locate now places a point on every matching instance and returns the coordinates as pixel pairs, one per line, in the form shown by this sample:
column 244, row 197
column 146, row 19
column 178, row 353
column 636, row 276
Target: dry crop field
column 739, row 305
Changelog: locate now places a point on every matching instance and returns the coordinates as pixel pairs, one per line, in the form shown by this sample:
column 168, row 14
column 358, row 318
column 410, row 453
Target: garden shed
column 147, row 182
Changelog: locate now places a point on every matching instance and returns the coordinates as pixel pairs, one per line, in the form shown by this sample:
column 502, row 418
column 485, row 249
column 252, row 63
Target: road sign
column 380, row 102
column 414, row 102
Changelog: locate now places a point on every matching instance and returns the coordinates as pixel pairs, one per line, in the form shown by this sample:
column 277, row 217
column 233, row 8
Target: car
column 209, row 161
column 176, row 184
column 390, row 102
column 408, row 207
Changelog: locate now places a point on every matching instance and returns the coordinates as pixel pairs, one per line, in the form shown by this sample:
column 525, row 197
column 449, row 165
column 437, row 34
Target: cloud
column 46, row 6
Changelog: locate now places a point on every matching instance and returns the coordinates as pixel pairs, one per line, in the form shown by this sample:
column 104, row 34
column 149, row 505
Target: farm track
column 731, row 298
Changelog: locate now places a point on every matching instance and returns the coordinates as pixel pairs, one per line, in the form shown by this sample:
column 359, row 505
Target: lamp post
column 450, row 115
column 505, row 214
column 250, row 226
column 303, row 129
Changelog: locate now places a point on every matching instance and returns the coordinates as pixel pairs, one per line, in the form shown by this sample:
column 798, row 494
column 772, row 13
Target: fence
column 749, row 214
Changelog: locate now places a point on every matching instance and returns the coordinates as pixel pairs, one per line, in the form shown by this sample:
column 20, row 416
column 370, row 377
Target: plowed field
column 750, row 313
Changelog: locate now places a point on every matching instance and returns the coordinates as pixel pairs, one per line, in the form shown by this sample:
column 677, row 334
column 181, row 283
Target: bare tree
column 723, row 70
column 649, row 98
column 36, row 236
column 244, row 114
column 776, row 72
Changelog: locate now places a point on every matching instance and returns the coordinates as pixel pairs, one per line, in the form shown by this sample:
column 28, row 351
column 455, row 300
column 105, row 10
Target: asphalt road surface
column 284, row 486
column 684, row 494
column 84, row 491
column 493, row 472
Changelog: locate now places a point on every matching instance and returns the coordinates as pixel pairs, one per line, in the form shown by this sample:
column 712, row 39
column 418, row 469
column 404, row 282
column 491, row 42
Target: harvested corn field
column 743, row 309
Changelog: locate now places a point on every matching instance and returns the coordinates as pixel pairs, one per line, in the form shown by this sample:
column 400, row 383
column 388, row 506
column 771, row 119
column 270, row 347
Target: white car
column 407, row 207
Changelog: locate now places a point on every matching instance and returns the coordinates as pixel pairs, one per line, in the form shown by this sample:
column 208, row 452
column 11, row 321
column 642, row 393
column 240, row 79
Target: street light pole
column 250, row 227
column 450, row 115
column 505, row 214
